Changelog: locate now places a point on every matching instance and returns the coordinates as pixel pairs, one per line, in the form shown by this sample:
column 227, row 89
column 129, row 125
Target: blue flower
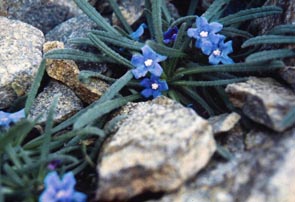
column 205, row 34
column 170, row 35
column 220, row 52
column 57, row 190
column 147, row 62
column 153, row 86
column 139, row 32
column 7, row 118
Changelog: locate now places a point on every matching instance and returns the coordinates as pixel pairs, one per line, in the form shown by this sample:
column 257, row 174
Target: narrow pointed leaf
column 270, row 55
column 250, row 14
column 269, row 39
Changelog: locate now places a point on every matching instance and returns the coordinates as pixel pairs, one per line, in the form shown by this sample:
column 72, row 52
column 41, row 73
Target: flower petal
column 139, row 72
column 145, row 82
column 15, row 117
column 79, row 197
column 226, row 60
column 52, row 180
column 163, row 86
column 68, row 181
column 192, row 32
column 215, row 27
column 227, row 48
column 206, row 47
column 138, row 32
column 214, row 60
column 156, row 93
column 137, row 60
column 146, row 92
column 156, row 70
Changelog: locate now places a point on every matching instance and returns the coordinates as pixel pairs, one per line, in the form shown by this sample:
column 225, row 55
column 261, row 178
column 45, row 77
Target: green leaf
column 289, row 119
column 166, row 12
column 283, row 29
column 108, row 51
column 148, row 16
column 181, row 20
column 237, row 67
column 119, row 15
column 100, row 109
column 164, row 50
column 95, row 16
column 118, row 41
column 269, row 39
column 157, row 20
column 233, row 32
column 208, row 83
column 195, row 96
column 263, row 56
column 250, row 14
column 215, row 9
column 35, row 86
column 77, row 55
column 48, row 130
column 16, row 133
column 192, row 7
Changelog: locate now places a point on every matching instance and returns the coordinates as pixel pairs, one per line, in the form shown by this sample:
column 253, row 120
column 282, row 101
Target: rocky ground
column 159, row 150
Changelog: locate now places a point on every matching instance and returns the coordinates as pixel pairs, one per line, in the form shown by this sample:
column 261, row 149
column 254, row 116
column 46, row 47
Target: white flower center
column 217, row 52
column 61, row 194
column 204, row 34
column 155, row 86
column 148, row 62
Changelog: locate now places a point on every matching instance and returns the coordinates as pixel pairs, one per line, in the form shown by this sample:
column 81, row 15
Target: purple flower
column 57, row 190
column 139, row 32
column 205, row 34
column 7, row 118
column 147, row 62
column 170, row 35
column 153, row 87
column 54, row 164
column 220, row 52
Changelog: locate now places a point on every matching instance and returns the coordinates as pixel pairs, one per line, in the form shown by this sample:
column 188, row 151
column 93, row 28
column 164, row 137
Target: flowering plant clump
column 61, row 190
column 188, row 58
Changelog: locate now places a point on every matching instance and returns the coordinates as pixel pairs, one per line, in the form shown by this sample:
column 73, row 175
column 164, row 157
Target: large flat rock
column 157, row 148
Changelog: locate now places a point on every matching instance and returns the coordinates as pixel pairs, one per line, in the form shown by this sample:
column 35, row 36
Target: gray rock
column 132, row 10
column 263, row 100
column 224, row 122
column 157, row 148
column 43, row 14
column 68, row 103
column 288, row 74
column 20, row 56
column 72, row 28
column 265, row 173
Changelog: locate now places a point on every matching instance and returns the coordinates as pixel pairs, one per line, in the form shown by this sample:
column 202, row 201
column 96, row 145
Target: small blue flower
column 220, row 52
column 204, row 33
column 7, row 118
column 139, row 32
column 153, row 86
column 57, row 190
column 147, row 62
column 170, row 35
